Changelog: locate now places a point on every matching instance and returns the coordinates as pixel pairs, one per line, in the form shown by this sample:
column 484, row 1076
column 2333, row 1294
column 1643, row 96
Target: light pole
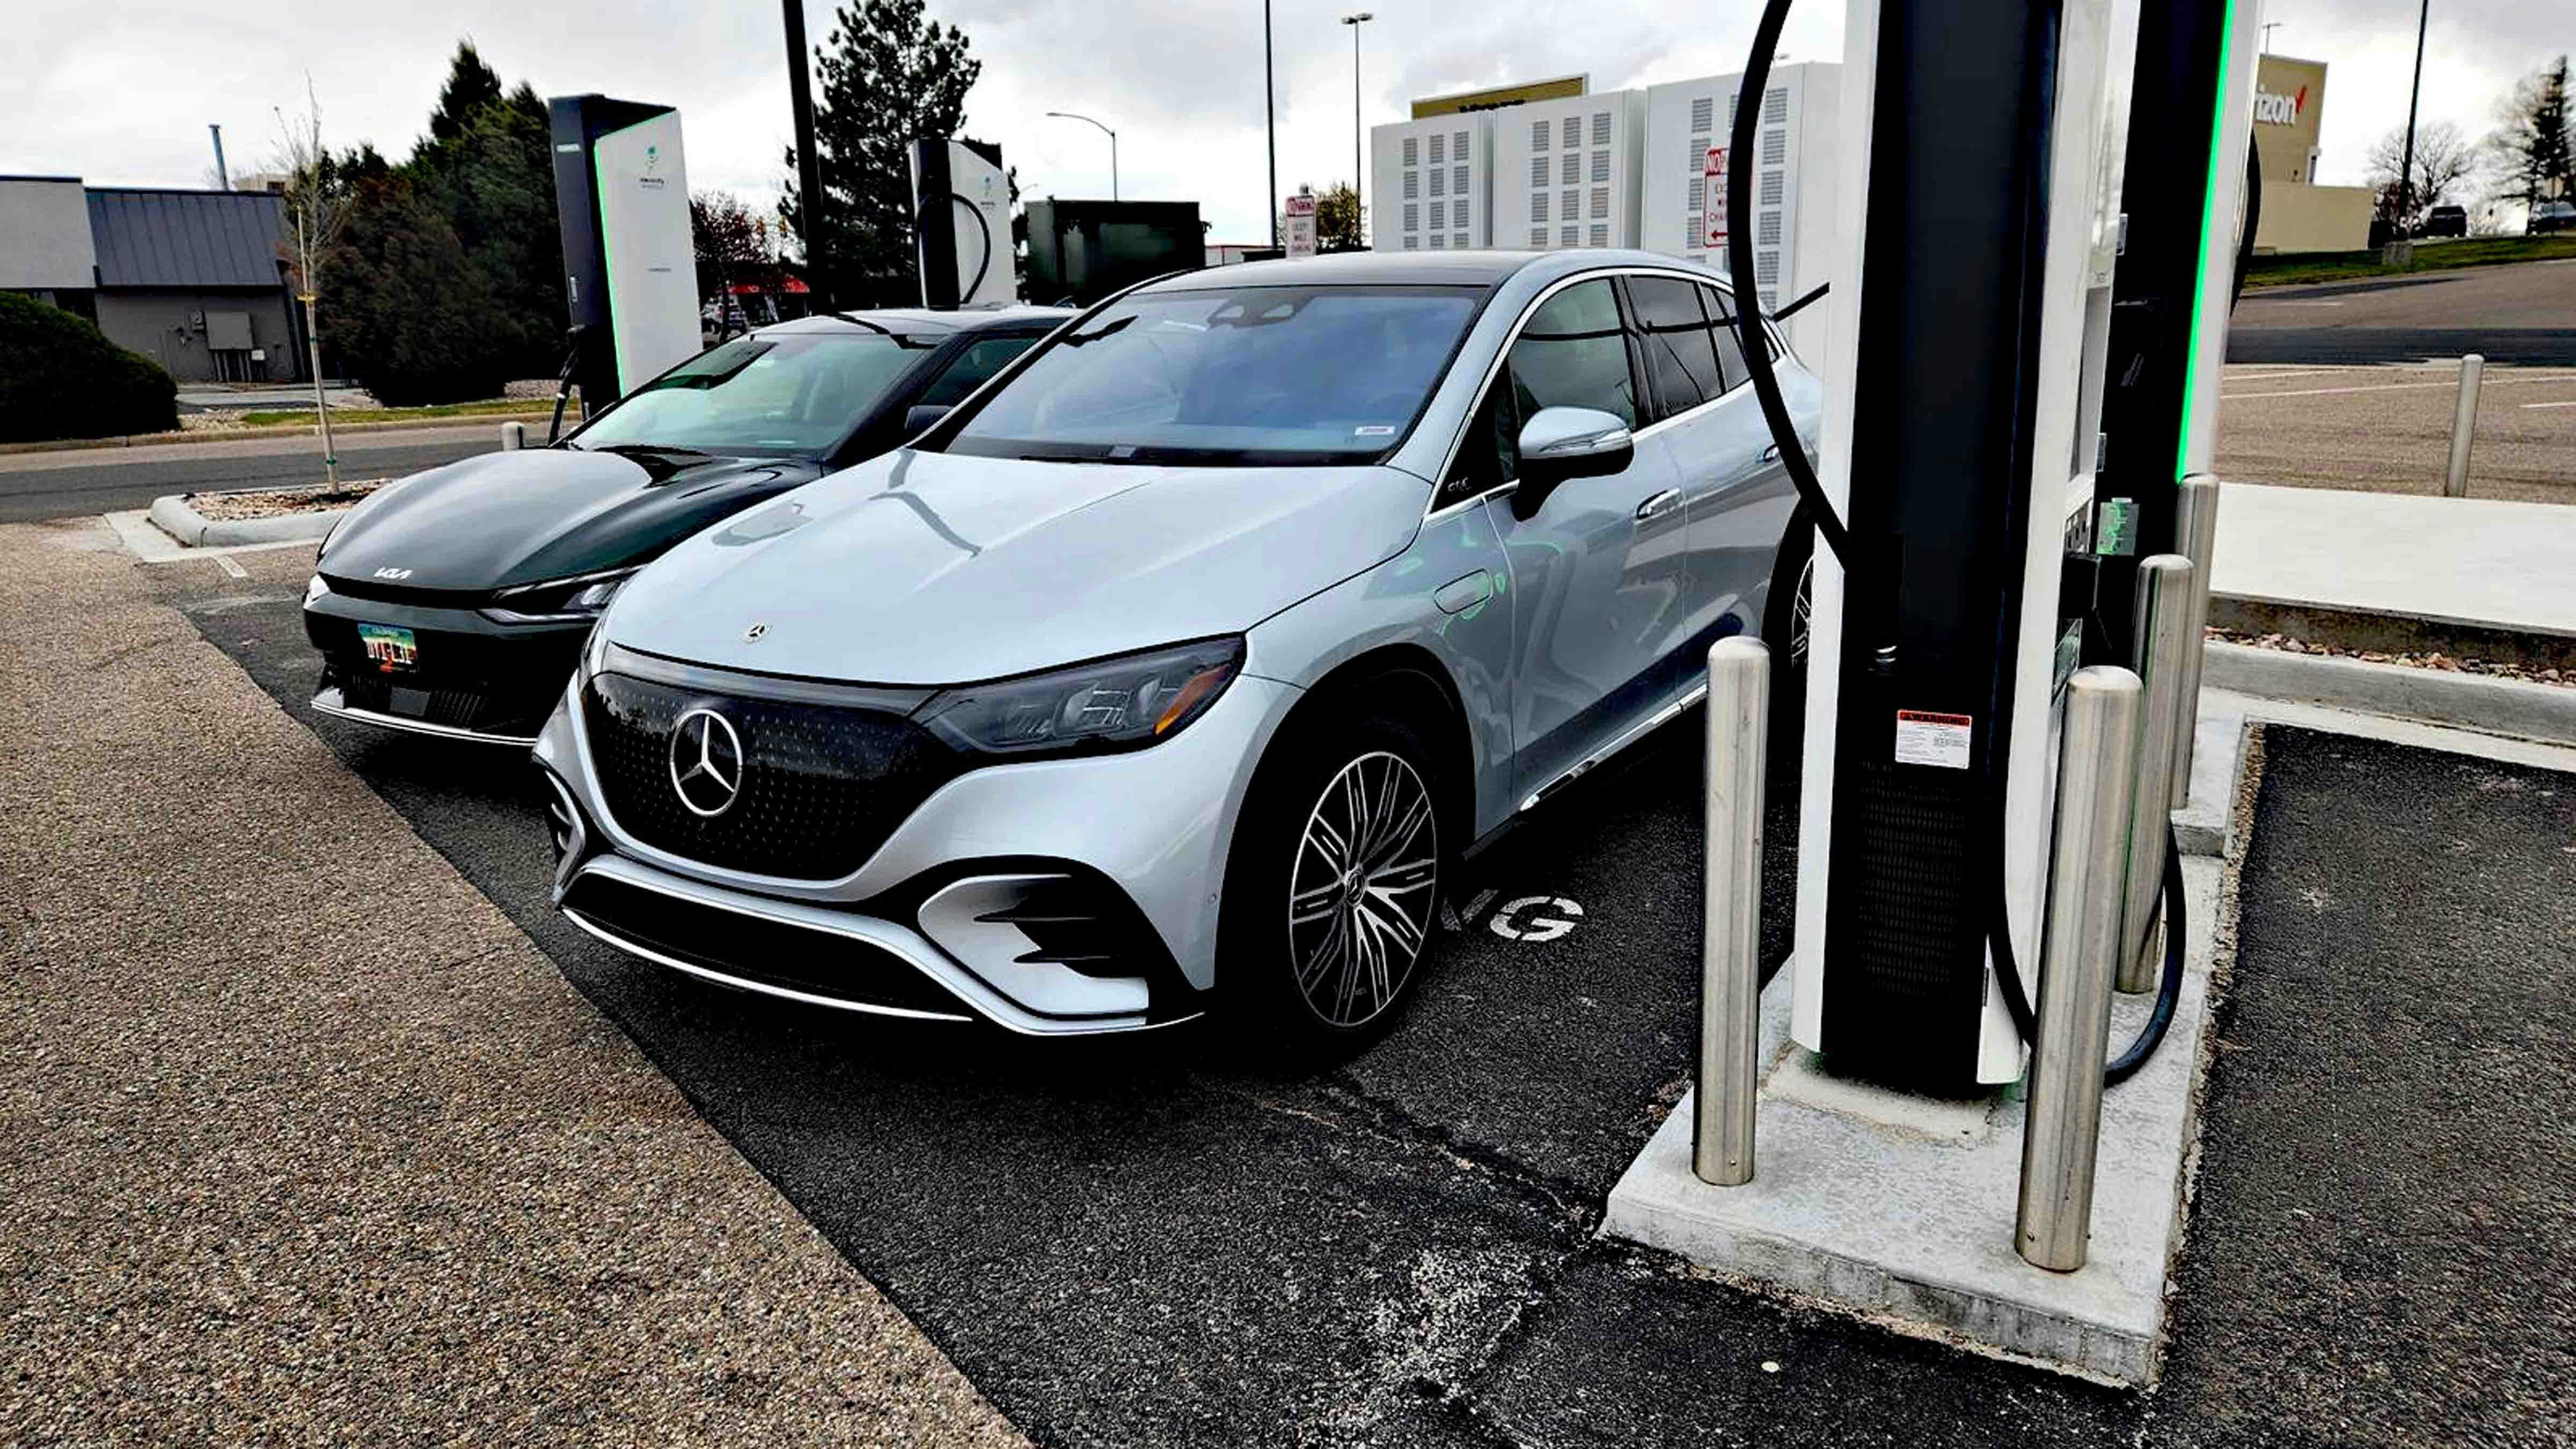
column 1354, row 22
column 1270, row 109
column 809, row 162
column 1113, row 146
column 2401, row 244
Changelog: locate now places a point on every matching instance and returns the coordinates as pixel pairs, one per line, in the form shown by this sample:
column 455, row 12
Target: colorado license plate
column 389, row 647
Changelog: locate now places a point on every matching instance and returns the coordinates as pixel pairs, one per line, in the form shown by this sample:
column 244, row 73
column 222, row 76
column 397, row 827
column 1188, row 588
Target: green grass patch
column 2299, row 268
column 306, row 416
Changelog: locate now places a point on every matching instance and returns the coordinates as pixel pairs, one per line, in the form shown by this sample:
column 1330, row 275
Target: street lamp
column 1354, row 22
column 1113, row 146
column 1270, row 111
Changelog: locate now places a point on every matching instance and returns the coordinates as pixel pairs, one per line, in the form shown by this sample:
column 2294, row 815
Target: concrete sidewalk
column 2453, row 563
column 305, row 1142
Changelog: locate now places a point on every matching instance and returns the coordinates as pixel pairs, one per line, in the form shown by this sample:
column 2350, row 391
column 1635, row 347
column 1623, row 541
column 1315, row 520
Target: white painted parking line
column 225, row 562
column 2568, row 404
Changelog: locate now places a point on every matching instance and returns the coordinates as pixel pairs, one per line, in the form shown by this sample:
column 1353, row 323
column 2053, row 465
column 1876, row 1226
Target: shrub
column 61, row 378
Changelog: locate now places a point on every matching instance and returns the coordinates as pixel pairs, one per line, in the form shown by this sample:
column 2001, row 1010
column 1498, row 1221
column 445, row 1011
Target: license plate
column 389, row 647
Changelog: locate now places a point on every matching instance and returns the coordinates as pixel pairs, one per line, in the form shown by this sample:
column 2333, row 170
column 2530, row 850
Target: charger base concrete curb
column 2467, row 701
column 1854, row 1203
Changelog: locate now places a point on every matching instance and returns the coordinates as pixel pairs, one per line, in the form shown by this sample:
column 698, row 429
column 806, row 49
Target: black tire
column 1784, row 632
column 1270, row 972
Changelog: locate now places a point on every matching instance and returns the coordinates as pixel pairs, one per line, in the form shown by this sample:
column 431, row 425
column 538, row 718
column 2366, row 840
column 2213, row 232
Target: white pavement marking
column 224, row 562
column 134, row 529
column 2568, row 404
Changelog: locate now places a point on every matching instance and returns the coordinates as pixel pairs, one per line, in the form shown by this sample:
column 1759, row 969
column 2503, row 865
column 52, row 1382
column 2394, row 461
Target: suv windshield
column 763, row 396
column 1246, row 375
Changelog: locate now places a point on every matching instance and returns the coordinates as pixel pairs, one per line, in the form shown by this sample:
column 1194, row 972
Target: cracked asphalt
column 1144, row 1242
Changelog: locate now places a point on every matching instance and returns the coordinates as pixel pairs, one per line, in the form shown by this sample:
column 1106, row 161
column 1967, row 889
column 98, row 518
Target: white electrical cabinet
column 1566, row 172
column 1689, row 127
column 1428, row 181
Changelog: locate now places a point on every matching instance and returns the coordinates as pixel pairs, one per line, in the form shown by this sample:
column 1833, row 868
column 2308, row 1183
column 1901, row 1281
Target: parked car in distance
column 2446, row 221
column 1184, row 665
column 455, row 601
column 2548, row 216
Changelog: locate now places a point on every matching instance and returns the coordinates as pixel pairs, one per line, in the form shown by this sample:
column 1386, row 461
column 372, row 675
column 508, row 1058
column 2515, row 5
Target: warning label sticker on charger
column 1924, row 738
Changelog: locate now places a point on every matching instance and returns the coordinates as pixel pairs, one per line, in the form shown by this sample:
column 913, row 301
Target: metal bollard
column 2196, row 533
column 2156, row 644
column 1730, row 1011
column 2095, row 782
column 514, row 436
column 2464, row 426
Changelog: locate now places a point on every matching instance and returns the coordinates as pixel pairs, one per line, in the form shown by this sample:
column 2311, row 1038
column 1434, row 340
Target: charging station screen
column 644, row 237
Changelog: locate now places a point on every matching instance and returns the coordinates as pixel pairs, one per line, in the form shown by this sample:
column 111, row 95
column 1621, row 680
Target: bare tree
column 2445, row 161
column 318, row 203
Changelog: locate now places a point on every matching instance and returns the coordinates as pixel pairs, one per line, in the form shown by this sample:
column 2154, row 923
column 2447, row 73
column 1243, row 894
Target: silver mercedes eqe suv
column 1185, row 662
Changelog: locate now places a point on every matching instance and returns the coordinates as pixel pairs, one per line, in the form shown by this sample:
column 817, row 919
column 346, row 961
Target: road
column 2523, row 314
column 1147, row 1241
column 84, row 481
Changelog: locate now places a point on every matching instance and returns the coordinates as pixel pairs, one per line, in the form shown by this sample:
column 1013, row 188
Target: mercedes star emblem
column 706, row 762
column 755, row 631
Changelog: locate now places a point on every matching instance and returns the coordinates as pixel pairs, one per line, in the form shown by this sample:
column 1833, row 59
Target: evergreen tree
column 889, row 77
column 1341, row 223
column 414, row 315
column 2534, row 143
column 471, row 85
column 493, row 180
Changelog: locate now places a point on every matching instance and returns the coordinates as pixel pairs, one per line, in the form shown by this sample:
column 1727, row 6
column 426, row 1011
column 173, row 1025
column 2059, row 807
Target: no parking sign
column 1713, row 196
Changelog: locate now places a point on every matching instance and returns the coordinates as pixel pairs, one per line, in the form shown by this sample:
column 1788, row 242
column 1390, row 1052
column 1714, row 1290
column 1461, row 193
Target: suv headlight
column 1124, row 703
column 557, row 601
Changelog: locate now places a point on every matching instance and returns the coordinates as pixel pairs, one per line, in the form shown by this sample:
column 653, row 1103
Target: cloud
column 121, row 90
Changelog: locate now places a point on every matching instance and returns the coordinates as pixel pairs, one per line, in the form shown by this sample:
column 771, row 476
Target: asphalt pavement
column 2523, row 315
column 81, row 482
column 1144, row 1241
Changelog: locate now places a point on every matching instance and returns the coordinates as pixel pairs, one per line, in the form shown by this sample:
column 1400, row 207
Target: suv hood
column 498, row 519
column 936, row 568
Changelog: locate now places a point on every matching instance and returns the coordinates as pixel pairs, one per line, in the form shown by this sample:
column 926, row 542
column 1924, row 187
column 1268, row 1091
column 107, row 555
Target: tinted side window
column 1730, row 348
column 971, row 369
column 1573, row 353
column 1674, row 334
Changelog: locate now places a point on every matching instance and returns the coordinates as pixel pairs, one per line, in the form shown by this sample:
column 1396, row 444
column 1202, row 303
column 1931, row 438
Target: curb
column 2468, row 701
column 301, row 430
column 172, row 515
column 2528, row 646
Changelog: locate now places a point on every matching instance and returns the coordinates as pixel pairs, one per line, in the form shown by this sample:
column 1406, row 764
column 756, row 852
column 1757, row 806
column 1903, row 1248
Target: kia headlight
column 557, row 601
column 1123, row 703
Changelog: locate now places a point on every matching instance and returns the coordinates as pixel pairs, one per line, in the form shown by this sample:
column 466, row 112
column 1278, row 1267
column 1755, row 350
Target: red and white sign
column 1297, row 238
column 1712, row 187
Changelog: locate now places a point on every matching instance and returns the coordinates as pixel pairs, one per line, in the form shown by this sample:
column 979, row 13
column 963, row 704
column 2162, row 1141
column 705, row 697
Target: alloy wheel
column 1361, row 891
column 1802, row 606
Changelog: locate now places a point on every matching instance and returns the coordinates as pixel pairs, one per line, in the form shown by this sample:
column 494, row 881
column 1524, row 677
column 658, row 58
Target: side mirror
column 920, row 416
column 1562, row 443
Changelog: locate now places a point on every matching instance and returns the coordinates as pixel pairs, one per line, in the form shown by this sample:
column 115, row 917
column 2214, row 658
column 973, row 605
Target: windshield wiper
column 905, row 341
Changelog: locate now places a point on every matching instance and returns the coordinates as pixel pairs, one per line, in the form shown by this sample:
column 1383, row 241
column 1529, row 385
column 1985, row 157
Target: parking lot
column 302, row 1060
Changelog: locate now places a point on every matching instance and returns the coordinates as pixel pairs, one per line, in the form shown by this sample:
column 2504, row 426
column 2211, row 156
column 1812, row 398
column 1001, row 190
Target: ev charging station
column 630, row 267
column 2039, row 206
column 962, row 225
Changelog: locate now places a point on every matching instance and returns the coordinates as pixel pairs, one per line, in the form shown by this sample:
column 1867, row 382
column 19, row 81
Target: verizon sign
column 2272, row 110
column 1712, row 173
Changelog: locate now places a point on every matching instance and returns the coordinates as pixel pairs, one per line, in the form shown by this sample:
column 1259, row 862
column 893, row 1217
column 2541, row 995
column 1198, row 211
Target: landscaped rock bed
column 2444, row 662
column 273, row 502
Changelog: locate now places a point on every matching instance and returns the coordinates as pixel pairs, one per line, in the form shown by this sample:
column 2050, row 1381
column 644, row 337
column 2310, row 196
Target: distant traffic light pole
column 809, row 166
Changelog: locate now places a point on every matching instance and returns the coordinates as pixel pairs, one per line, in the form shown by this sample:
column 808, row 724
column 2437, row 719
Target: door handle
column 1771, row 454
column 1659, row 504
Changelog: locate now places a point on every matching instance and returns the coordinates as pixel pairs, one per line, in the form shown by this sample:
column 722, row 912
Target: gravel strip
column 304, row 1142
column 276, row 502
column 2444, row 662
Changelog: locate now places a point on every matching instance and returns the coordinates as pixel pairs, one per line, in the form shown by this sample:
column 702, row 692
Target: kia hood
column 525, row 516
column 937, row 568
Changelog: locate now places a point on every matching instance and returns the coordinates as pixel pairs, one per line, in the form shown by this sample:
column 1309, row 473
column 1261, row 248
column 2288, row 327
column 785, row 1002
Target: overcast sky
column 121, row 91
